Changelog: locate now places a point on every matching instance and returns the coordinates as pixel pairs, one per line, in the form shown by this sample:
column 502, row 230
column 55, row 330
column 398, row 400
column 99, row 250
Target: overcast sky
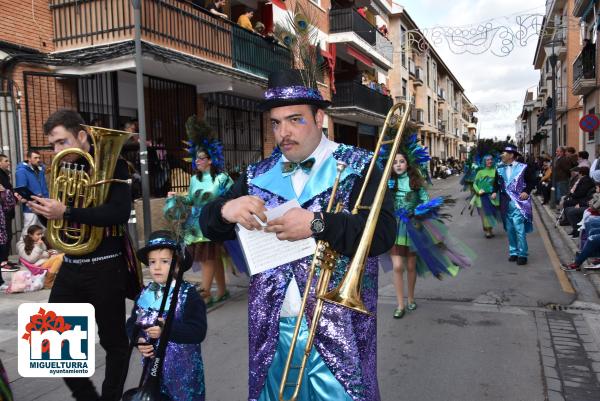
column 495, row 84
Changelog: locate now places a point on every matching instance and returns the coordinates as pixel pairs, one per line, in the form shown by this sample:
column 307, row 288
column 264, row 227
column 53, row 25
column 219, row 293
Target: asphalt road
column 484, row 335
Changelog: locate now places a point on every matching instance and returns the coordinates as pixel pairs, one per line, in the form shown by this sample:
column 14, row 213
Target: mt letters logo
column 56, row 340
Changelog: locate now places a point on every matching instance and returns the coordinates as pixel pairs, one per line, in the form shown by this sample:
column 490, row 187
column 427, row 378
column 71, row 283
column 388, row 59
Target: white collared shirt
column 293, row 298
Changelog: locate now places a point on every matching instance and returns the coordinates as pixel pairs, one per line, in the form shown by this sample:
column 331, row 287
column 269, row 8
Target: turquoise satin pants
column 516, row 232
column 318, row 383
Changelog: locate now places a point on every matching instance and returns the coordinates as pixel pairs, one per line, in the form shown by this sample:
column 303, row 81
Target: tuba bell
column 73, row 186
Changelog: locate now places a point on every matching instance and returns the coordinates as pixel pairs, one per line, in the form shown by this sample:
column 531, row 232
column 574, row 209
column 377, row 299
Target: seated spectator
column 33, row 249
column 576, row 202
column 216, row 7
column 244, row 20
column 581, row 185
column 591, row 225
column 582, row 159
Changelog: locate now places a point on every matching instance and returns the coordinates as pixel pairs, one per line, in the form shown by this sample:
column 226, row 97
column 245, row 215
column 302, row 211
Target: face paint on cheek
column 302, row 121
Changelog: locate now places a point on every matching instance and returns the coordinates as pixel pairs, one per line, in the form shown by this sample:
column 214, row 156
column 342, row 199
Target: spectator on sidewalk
column 582, row 159
column 562, row 172
column 546, row 181
column 245, row 20
column 9, row 214
column 32, row 174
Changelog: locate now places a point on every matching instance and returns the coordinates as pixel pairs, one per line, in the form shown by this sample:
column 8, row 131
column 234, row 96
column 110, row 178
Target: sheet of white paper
column 263, row 251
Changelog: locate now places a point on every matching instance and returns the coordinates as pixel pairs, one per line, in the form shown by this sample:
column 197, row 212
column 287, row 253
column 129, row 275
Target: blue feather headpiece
column 201, row 137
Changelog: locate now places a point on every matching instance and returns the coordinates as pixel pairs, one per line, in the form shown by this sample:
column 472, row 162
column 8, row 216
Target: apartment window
column 564, row 135
column 429, row 109
column 403, row 45
column 404, row 88
column 434, row 72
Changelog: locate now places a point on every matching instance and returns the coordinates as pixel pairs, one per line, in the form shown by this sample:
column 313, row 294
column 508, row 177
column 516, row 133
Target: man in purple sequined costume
column 515, row 182
column 342, row 366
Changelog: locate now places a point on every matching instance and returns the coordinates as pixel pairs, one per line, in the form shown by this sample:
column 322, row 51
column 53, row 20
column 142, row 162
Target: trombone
column 348, row 292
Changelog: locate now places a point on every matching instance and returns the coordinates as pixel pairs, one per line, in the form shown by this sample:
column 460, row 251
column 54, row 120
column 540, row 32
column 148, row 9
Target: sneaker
column 593, row 267
column 3, row 287
column 571, row 267
column 594, row 261
column 521, row 261
column 512, row 258
column 9, row 269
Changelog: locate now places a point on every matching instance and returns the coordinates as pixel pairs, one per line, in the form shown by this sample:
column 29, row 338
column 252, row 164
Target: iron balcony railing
column 417, row 116
column 348, row 20
column 354, row 94
column 253, row 53
column 584, row 66
column 174, row 24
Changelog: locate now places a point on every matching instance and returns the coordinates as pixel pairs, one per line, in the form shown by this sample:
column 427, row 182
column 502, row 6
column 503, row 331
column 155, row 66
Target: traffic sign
column 589, row 123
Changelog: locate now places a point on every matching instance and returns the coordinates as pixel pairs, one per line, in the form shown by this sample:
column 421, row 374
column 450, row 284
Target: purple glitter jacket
column 346, row 340
column 512, row 188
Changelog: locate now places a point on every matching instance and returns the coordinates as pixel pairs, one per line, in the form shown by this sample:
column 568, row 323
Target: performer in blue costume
column 515, row 181
column 183, row 369
column 342, row 366
column 209, row 182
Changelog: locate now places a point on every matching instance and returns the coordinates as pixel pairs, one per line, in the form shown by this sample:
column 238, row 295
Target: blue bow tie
column 289, row 168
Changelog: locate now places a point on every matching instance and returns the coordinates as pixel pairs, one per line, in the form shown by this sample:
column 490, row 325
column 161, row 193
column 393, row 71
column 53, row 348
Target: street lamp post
column 139, row 73
column 553, row 58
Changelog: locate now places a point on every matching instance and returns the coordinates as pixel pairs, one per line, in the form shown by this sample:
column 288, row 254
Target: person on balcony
column 216, row 7
column 588, row 59
column 244, row 20
column 363, row 11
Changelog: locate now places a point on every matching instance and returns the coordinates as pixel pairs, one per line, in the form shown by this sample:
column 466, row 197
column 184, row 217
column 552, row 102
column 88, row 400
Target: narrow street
column 485, row 335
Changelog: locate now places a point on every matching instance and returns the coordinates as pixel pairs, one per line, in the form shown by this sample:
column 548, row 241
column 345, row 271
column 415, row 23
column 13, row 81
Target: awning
column 330, row 58
column 279, row 3
column 359, row 56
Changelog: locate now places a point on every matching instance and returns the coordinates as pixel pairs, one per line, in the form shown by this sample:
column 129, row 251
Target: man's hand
column 242, row 209
column 493, row 196
column 293, row 225
column 145, row 350
column 524, row 196
column 481, row 192
column 49, row 208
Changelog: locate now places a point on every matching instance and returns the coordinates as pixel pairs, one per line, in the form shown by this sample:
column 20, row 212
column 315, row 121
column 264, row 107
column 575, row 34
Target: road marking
column 565, row 284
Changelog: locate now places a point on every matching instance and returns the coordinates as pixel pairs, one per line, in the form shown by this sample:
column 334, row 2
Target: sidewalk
column 587, row 282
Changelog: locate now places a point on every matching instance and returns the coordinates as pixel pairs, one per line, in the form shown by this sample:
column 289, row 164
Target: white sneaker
column 3, row 287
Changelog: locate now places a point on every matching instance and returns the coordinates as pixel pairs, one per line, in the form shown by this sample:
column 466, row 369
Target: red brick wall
column 42, row 103
column 28, row 25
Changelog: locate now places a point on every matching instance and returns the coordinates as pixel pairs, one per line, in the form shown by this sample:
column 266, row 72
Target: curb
column 566, row 247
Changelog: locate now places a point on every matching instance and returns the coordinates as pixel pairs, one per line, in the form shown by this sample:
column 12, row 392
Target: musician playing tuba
column 343, row 363
column 99, row 276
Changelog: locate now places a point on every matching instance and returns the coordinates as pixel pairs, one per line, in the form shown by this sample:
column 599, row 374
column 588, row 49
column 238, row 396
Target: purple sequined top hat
column 162, row 239
column 286, row 88
column 511, row 149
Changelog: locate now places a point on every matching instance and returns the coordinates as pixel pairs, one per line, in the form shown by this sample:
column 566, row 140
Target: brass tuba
column 348, row 292
column 73, row 186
